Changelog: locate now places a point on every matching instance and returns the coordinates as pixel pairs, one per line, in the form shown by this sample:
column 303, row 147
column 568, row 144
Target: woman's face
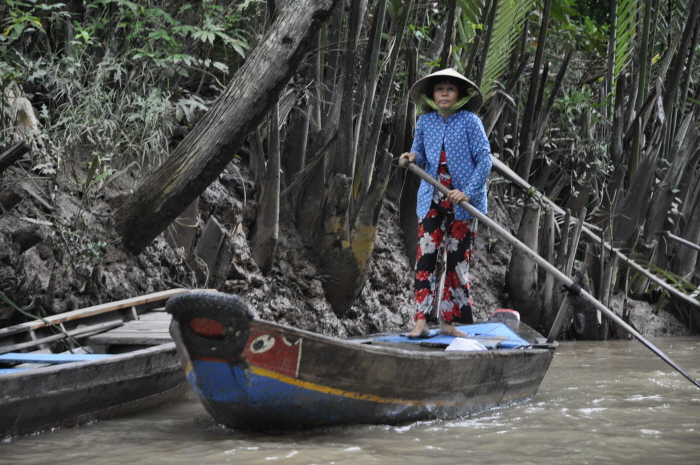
column 445, row 95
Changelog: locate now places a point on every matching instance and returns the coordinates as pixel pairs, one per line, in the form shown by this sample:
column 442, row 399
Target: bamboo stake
column 569, row 264
column 562, row 313
column 508, row 173
column 680, row 240
column 568, row 282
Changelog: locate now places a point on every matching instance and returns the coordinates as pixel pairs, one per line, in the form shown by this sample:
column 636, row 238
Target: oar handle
column 568, row 282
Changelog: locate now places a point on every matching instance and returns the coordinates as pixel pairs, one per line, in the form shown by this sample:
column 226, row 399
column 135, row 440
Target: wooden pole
column 513, row 177
column 568, row 282
column 680, row 240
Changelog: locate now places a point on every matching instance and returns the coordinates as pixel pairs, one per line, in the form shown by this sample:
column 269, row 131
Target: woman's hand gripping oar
column 568, row 282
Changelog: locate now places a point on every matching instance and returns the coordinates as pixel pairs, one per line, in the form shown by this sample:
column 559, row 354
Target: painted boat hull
column 267, row 376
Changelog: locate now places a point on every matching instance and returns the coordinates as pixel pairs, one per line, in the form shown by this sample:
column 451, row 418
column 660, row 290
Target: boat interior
column 85, row 334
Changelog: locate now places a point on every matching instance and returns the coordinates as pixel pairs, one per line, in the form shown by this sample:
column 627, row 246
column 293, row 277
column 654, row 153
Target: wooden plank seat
column 490, row 342
column 152, row 330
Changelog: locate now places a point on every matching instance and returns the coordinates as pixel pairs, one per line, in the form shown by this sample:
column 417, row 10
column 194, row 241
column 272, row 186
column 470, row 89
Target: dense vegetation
column 594, row 103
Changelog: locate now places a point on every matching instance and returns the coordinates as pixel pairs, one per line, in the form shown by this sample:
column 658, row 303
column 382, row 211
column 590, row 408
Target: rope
column 5, row 299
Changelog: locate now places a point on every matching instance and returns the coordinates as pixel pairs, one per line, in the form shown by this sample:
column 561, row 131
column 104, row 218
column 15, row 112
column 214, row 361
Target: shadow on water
column 611, row 402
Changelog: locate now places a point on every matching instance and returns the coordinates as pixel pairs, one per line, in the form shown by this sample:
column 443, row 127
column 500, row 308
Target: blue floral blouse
column 468, row 157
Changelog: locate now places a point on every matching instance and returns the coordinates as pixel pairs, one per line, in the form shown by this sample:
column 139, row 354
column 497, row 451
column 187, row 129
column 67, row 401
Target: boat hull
column 121, row 360
column 263, row 376
column 80, row 392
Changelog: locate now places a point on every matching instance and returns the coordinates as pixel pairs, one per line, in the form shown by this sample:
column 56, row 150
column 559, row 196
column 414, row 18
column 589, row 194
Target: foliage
column 115, row 78
column 119, row 75
column 587, row 157
column 510, row 16
column 595, row 11
column 625, row 31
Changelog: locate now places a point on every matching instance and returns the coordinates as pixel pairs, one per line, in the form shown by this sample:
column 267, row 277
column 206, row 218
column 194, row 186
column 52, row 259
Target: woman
column 450, row 141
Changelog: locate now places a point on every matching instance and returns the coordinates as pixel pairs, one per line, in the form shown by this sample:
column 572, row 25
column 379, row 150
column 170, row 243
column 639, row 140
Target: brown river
column 600, row 403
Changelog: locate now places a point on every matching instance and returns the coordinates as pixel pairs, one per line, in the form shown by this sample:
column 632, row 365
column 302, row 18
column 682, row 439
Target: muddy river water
column 600, row 403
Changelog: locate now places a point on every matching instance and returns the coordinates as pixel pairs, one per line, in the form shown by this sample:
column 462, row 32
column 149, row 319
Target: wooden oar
column 568, row 282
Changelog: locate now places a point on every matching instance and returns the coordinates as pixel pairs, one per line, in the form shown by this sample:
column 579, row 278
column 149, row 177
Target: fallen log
column 212, row 144
column 12, row 155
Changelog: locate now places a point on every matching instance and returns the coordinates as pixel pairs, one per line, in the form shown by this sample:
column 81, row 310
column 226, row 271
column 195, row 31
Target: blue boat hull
column 265, row 376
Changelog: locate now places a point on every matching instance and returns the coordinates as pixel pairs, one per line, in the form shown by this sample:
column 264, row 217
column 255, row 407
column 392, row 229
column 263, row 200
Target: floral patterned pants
column 459, row 236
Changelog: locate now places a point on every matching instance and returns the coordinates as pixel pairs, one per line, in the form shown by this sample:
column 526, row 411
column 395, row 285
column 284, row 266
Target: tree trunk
column 267, row 224
column 686, row 258
column 521, row 280
column 346, row 247
column 630, row 210
column 496, row 108
column 366, row 90
column 447, row 44
column 296, row 142
column 486, row 39
column 410, row 182
column 367, row 159
column 213, row 143
column 350, row 223
column 547, row 251
column 524, row 156
column 664, row 193
column 672, row 83
column 343, row 159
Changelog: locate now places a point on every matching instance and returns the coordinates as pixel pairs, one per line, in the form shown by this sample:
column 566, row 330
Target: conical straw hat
column 419, row 88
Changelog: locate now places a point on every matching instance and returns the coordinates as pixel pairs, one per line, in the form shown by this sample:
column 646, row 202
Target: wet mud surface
column 59, row 252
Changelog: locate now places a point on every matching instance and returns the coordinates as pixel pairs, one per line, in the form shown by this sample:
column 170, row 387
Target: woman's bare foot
column 447, row 329
column 419, row 330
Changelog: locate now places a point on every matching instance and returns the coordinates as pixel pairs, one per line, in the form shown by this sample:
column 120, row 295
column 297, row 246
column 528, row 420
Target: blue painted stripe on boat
column 49, row 358
column 268, row 393
column 220, row 373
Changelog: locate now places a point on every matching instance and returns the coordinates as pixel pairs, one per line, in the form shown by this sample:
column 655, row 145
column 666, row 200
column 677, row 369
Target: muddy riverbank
column 59, row 251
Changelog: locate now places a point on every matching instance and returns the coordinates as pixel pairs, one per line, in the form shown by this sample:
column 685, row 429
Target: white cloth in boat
column 464, row 344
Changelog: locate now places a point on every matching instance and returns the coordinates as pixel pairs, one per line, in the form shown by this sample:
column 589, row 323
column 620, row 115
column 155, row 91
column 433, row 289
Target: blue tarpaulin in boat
column 489, row 334
column 48, row 358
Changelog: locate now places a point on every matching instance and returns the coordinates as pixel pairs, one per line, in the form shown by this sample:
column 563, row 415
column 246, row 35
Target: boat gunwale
column 92, row 311
column 429, row 354
column 111, row 359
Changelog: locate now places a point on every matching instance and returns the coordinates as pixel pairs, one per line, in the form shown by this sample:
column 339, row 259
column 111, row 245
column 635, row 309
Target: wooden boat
column 88, row 364
column 258, row 375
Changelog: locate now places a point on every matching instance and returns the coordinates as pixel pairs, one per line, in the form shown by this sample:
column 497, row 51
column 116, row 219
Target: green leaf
column 91, row 174
column 510, row 17
column 237, row 47
column 220, row 66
